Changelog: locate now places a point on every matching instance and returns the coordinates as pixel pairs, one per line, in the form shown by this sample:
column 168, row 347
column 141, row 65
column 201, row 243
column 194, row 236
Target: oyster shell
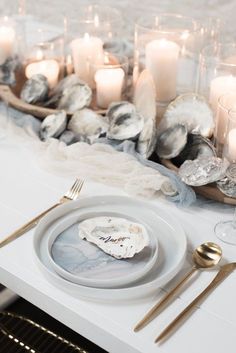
column 116, row 236
column 3, row 56
column 202, row 171
column 145, row 103
column 53, row 125
column 191, row 110
column 7, row 68
column 171, row 141
column 231, row 172
column 56, row 93
column 147, row 139
column 227, row 187
column 35, row 90
column 75, row 97
column 68, row 137
column 125, row 122
column 67, row 82
column 87, row 125
column 197, row 147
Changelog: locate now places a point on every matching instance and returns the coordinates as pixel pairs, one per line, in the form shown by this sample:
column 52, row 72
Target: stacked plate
column 84, row 270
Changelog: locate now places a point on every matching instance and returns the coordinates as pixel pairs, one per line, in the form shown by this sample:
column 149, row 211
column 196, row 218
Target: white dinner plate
column 82, row 262
column 171, row 246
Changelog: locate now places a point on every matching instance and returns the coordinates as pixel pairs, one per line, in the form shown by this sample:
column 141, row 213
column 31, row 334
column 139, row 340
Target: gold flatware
column 70, row 195
column 221, row 275
column 205, row 255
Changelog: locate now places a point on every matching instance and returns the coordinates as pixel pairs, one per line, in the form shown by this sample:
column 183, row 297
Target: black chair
column 20, row 335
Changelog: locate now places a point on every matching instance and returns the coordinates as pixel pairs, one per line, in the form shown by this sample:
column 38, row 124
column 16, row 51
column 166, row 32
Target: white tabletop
column 25, row 190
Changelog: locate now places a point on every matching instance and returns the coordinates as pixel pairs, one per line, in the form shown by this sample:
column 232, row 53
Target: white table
column 25, row 190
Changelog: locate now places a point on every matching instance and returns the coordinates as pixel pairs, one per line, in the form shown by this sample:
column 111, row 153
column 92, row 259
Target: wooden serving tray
column 209, row 191
column 7, row 95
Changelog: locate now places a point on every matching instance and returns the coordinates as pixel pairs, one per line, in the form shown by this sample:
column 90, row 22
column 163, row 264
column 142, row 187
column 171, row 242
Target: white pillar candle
column 109, row 84
column 7, row 41
column 161, row 58
column 232, row 145
column 87, row 52
column 48, row 68
column 219, row 86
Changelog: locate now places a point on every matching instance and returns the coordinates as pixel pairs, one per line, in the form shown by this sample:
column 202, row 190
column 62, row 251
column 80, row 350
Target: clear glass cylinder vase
column 43, row 54
column 168, row 46
column 229, row 151
column 87, row 35
column 225, row 103
column 217, row 72
column 10, row 49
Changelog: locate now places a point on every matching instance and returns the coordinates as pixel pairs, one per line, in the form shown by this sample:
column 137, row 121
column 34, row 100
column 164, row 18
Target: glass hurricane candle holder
column 226, row 231
column 10, row 35
column 10, row 7
column 47, row 16
column 225, row 103
column 43, row 54
column 8, row 38
column 217, row 71
column 212, row 30
column 86, row 36
column 168, row 46
column 110, row 79
column 229, row 151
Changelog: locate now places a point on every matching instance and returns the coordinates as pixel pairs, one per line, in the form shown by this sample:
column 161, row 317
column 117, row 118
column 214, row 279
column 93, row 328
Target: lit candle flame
column 96, row 21
column 163, row 42
column 86, row 37
column 22, row 7
column 39, row 54
column 106, row 59
column 184, row 35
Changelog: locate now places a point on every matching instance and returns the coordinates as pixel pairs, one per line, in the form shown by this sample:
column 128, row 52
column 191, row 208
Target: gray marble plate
column 82, row 262
column 172, row 244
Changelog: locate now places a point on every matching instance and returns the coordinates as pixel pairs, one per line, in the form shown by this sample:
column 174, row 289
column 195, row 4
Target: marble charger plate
column 171, row 246
column 82, row 262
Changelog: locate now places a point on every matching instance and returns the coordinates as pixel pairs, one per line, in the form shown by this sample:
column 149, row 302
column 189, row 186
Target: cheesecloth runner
column 118, row 165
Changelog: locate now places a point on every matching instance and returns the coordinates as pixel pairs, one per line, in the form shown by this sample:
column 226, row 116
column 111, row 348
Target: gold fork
column 70, row 195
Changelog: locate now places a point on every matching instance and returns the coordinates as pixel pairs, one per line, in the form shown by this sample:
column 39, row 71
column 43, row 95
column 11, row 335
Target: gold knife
column 221, row 275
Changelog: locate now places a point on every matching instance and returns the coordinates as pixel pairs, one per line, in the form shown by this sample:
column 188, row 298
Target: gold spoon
column 206, row 255
column 223, row 273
